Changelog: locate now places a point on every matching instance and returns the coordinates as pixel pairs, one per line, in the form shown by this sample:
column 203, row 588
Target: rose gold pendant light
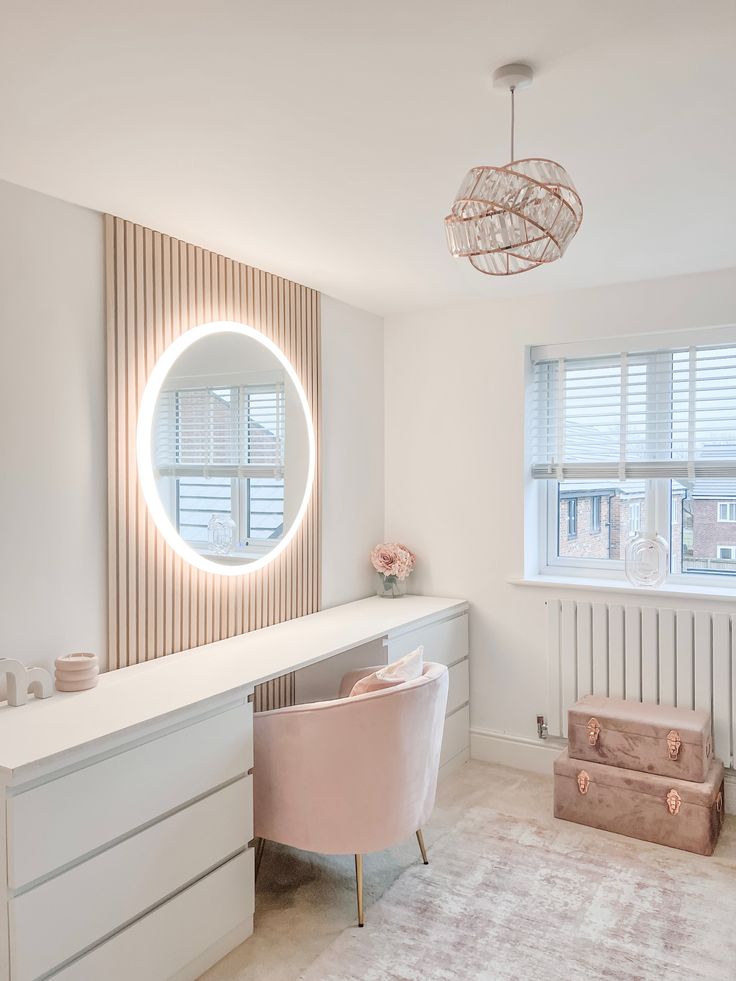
column 506, row 220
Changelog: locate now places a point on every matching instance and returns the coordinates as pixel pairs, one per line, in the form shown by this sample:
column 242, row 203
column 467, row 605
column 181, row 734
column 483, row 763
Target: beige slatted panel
column 157, row 288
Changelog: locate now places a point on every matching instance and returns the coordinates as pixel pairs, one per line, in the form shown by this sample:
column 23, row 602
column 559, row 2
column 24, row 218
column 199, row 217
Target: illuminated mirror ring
column 145, row 449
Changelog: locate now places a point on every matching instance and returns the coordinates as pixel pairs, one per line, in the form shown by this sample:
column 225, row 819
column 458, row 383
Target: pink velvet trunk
column 678, row 813
column 671, row 742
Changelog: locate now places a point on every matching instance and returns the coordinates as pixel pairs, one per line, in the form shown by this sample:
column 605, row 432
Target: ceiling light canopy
column 508, row 219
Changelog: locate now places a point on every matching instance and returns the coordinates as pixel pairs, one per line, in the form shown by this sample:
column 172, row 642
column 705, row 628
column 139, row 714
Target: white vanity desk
column 127, row 812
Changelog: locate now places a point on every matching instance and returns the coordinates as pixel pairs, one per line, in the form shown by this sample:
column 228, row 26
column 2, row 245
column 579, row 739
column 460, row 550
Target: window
column 640, row 441
column 595, row 515
column 231, row 464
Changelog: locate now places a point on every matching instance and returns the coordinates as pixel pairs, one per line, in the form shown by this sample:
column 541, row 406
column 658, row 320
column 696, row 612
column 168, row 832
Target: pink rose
column 383, row 559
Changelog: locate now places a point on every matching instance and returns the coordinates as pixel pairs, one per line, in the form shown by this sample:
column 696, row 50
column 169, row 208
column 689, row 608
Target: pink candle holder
column 77, row 672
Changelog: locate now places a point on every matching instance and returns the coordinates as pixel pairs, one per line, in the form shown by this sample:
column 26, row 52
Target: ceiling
column 324, row 140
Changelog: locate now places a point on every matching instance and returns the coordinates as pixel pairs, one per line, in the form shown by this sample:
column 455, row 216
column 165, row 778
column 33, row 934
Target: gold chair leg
column 422, row 849
column 359, row 887
column 260, row 845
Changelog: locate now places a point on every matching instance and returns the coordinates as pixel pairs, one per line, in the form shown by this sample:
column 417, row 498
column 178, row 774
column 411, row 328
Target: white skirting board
column 538, row 756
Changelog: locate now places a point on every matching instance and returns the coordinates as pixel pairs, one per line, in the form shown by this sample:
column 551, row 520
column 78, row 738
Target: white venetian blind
column 232, row 431
column 645, row 414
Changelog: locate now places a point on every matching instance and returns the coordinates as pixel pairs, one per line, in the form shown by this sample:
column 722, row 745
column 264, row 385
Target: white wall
column 53, row 489
column 352, row 449
column 455, row 478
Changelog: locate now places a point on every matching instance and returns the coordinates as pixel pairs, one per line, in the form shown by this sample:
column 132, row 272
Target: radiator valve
column 542, row 727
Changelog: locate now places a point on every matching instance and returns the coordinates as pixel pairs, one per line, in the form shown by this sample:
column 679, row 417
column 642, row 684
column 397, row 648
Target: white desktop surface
column 130, row 696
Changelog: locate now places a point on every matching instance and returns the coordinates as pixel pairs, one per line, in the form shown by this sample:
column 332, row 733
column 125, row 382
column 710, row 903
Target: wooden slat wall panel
column 157, row 288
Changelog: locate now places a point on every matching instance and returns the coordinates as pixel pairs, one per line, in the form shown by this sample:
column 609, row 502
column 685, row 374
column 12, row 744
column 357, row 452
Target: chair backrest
column 354, row 774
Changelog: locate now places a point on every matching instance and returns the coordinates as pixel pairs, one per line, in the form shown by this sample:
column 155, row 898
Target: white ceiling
column 325, row 139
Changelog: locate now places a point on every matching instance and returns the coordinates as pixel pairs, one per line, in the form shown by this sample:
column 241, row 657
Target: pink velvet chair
column 352, row 775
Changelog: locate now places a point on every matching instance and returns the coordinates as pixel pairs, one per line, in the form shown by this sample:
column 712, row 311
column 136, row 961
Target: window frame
column 726, row 558
column 553, row 564
column 658, row 499
column 730, row 509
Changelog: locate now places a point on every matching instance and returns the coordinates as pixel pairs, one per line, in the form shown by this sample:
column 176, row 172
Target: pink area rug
column 507, row 899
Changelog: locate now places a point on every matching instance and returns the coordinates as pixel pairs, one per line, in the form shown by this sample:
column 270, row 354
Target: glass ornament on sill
column 390, row 587
column 645, row 560
column 221, row 533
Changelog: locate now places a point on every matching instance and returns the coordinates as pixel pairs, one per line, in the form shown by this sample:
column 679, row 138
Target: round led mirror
column 225, row 448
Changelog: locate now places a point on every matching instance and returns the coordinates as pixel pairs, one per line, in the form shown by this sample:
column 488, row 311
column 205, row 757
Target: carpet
column 505, row 899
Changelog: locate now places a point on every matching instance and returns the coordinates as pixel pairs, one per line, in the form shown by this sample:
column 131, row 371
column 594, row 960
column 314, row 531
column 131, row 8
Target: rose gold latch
column 583, row 781
column 594, row 730
column 673, row 802
column 673, row 744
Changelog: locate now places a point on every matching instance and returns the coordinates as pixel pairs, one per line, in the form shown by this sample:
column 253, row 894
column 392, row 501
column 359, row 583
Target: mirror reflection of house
column 230, row 448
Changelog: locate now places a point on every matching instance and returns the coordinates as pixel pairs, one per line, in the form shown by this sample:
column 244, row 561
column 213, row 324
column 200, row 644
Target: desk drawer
column 55, row 920
column 459, row 688
column 163, row 943
column 457, row 735
column 59, row 821
column 445, row 642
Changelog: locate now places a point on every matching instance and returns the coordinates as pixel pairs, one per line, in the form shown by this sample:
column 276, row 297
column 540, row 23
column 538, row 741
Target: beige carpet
column 505, row 898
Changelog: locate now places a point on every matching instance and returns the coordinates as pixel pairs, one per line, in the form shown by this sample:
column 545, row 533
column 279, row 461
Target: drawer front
column 164, row 942
column 459, row 690
column 457, row 734
column 445, row 642
column 59, row 821
column 57, row 919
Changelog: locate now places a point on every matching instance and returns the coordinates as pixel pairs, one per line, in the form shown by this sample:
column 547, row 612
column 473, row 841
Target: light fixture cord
column 513, row 89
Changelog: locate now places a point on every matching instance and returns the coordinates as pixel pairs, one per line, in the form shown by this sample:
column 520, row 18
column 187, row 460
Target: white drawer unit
column 146, row 869
column 455, row 739
column 445, row 642
column 459, row 688
column 96, row 804
column 182, row 938
column 126, row 811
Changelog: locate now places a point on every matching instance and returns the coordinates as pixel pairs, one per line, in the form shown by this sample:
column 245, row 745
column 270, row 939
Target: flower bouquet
column 394, row 563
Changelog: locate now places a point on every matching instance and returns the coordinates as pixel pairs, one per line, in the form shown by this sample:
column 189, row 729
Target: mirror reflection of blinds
column 232, row 431
column 668, row 413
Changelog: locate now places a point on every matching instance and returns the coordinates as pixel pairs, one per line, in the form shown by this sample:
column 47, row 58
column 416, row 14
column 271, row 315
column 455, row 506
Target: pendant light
column 508, row 219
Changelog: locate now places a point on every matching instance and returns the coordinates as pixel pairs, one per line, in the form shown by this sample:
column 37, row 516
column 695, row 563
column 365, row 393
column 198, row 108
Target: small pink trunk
column 671, row 742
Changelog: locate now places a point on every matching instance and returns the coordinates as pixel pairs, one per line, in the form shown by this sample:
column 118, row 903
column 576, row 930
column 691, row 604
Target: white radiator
column 672, row 657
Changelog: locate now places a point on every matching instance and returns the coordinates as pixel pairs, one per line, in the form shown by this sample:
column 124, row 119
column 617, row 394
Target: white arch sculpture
column 22, row 680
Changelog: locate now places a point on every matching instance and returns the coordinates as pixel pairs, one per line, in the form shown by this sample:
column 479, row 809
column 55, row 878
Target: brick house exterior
column 704, row 534
column 621, row 512
column 589, row 541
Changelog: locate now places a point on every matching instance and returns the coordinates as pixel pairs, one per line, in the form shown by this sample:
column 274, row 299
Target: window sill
column 720, row 595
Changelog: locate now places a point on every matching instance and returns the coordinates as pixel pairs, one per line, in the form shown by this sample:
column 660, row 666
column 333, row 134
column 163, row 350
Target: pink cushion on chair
column 407, row 668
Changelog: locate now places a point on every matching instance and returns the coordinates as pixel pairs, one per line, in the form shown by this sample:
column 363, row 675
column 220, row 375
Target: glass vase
column 221, row 533
column 646, row 560
column 390, row 587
